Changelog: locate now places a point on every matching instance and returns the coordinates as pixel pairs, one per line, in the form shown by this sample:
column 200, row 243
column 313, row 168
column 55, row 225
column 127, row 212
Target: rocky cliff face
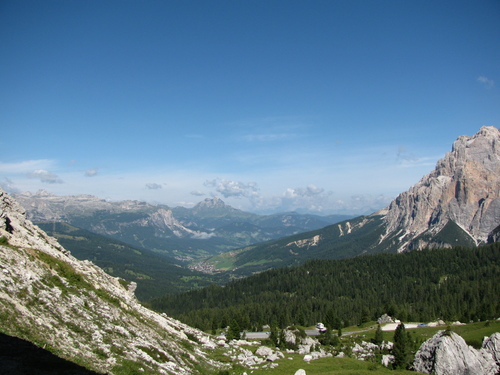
column 80, row 313
column 446, row 353
column 461, row 197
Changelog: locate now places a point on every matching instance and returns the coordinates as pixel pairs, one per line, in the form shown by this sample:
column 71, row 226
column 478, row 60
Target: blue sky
column 316, row 106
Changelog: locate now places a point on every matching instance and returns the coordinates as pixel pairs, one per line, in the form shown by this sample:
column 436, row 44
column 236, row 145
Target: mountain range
column 181, row 234
column 456, row 204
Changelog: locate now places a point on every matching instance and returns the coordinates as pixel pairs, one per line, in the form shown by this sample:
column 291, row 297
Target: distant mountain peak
column 212, row 202
column 463, row 190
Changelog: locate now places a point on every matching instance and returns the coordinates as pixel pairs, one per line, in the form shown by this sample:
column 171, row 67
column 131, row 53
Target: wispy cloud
column 8, row 185
column 269, row 137
column 270, row 129
column 91, row 172
column 486, row 82
column 25, row 166
column 45, row 176
column 404, row 155
column 153, row 186
column 197, row 193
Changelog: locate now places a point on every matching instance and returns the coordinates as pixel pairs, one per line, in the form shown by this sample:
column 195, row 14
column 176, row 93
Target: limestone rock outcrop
column 447, row 353
column 460, row 198
column 492, row 345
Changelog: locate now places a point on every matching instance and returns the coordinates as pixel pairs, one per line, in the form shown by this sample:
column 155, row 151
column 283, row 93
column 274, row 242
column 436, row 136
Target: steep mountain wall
column 464, row 189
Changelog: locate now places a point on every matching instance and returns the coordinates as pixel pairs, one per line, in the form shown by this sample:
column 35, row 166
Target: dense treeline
column 451, row 284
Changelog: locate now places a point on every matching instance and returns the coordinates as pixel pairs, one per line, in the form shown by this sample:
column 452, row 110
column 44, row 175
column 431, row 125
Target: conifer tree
column 234, row 332
column 274, row 336
column 401, row 348
column 379, row 336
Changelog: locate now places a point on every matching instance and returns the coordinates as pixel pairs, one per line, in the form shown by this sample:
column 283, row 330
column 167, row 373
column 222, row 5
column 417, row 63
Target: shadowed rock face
column 446, row 353
column 463, row 189
column 21, row 357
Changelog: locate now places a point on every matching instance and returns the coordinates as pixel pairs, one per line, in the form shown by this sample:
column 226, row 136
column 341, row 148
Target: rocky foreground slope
column 80, row 313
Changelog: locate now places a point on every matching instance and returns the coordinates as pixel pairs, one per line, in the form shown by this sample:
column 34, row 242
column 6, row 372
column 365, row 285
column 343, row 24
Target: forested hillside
column 155, row 275
column 451, row 284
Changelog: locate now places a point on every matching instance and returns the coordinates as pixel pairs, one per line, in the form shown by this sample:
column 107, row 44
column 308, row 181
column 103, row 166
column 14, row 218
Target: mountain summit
column 461, row 196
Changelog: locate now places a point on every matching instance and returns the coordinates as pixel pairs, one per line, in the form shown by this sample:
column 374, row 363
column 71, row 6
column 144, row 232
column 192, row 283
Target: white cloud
column 91, row 172
column 197, row 193
column 486, row 82
column 309, row 191
column 229, row 188
column 153, row 186
column 45, row 176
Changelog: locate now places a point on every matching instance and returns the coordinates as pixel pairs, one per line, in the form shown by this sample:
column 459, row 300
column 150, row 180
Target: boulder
column 387, row 359
column 385, row 319
column 492, row 345
column 446, row 353
column 264, row 351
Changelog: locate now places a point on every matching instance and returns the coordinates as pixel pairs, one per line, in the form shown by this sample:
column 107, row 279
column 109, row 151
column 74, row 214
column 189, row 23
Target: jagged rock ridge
column 462, row 192
column 81, row 313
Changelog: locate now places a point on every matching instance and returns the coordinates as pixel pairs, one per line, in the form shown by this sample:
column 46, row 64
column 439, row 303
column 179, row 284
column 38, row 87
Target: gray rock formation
column 446, row 353
column 82, row 314
column 385, row 319
column 461, row 197
column 492, row 345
